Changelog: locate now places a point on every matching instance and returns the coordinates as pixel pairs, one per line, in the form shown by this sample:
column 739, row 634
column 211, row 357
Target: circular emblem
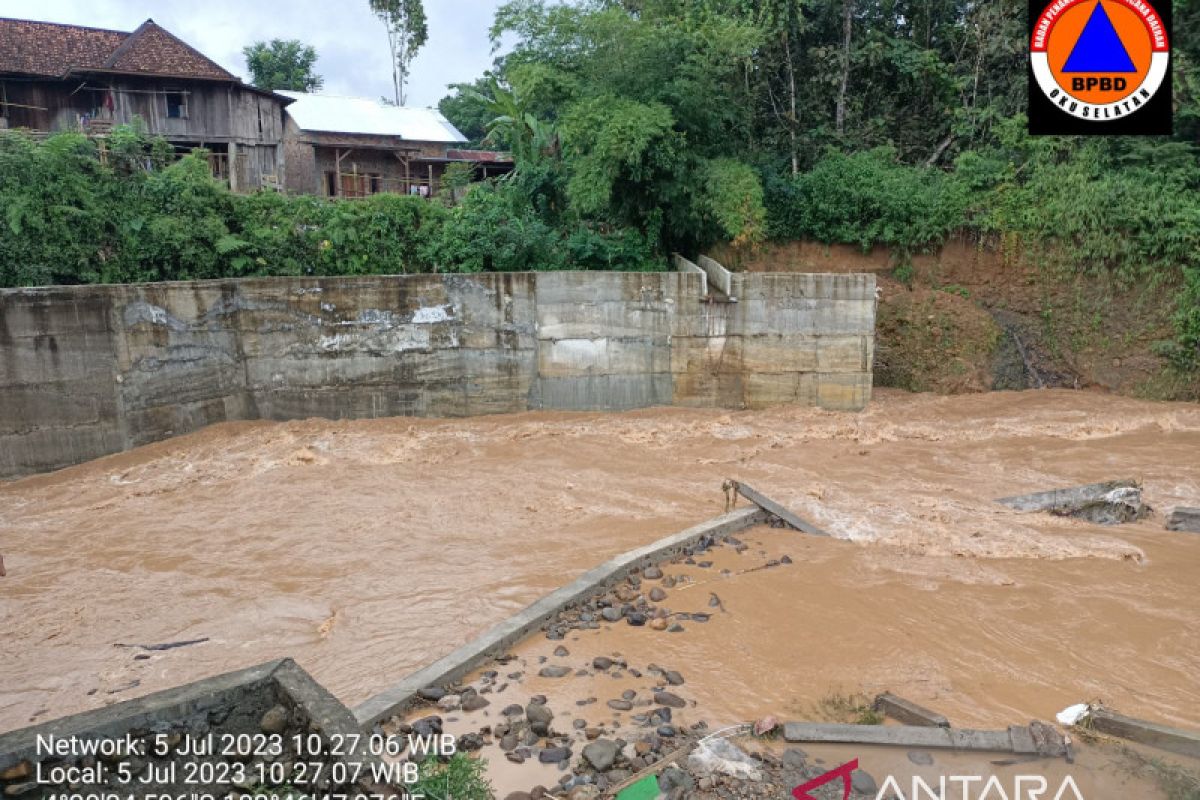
column 1099, row 60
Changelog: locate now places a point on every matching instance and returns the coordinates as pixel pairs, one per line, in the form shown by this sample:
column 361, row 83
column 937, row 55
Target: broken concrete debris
column 1181, row 519
column 775, row 509
column 1175, row 740
column 908, row 712
column 1107, row 503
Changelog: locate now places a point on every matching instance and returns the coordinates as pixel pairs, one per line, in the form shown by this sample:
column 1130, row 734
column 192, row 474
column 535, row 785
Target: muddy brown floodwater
column 368, row 549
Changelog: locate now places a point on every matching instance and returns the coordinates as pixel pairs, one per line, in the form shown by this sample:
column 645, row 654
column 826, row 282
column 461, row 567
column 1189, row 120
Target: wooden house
column 354, row 147
column 57, row 77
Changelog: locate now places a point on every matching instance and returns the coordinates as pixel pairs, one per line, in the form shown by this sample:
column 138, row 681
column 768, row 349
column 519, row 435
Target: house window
column 176, row 105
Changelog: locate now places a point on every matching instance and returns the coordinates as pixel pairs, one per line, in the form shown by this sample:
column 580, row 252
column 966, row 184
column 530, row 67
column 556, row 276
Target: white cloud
column 350, row 41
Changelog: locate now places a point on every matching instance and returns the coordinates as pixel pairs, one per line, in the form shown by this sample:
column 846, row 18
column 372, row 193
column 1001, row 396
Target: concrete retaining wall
column 91, row 370
column 237, row 717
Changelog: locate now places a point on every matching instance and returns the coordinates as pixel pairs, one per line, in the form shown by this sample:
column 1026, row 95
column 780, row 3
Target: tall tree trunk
column 793, row 122
column 395, row 65
column 847, row 20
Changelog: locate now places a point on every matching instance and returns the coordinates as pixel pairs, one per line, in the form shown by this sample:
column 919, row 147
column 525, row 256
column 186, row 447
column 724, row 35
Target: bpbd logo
column 1100, row 67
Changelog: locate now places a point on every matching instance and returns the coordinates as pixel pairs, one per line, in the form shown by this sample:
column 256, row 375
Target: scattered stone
column 666, row 730
column 652, row 573
column 620, row 705
column 561, row 651
column 611, row 614
column 794, row 758
column 670, row 700
column 657, row 595
column 658, row 624
column 539, row 714
column 672, row 677
column 676, row 628
column 450, row 702
column 474, row 703
column 636, row 618
column 863, row 783
column 554, row 755
column 601, row 753
column 602, row 663
column 513, row 710
column 554, row 672
column 432, row 693
column 275, row 720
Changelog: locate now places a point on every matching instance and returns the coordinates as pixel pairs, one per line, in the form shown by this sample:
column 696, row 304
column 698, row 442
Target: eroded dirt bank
column 367, row 549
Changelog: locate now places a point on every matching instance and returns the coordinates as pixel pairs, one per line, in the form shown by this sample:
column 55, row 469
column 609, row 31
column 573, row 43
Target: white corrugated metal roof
column 334, row 114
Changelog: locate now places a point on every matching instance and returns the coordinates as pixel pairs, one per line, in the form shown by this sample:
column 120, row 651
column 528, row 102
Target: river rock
column 611, row 614
column 554, row 672
column 670, row 700
column 636, row 618
column 538, row 714
column 863, row 783
column 432, row 693
column 275, row 720
column 602, row 663
column 601, row 753
column 658, row 624
column 561, row 651
column 652, row 573
column 657, row 595
column 553, row 755
column 474, row 703
column 620, row 705
column 672, row 677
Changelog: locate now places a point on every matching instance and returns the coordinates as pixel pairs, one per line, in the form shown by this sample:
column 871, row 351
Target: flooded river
column 368, row 549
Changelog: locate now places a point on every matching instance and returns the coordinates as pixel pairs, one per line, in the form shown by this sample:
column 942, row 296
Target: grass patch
column 853, row 709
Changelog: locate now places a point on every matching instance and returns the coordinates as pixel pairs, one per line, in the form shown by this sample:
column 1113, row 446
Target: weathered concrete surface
column 1017, row 739
column 1184, row 519
column 770, row 506
column 1107, row 503
column 1174, row 740
column 495, row 641
column 908, row 712
column 226, row 706
column 91, row 370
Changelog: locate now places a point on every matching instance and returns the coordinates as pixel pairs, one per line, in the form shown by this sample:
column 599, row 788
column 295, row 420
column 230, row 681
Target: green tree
column 407, row 31
column 281, row 64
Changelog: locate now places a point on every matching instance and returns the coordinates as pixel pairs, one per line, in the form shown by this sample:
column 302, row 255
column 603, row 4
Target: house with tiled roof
column 56, row 77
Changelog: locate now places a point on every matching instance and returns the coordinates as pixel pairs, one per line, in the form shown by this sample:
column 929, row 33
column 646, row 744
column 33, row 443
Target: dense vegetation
column 645, row 126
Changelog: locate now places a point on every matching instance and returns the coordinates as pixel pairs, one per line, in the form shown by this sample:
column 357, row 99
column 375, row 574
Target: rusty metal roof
column 54, row 50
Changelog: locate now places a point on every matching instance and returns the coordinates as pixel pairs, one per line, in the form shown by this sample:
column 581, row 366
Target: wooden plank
column 770, row 506
column 909, row 712
column 905, row 736
column 1175, row 740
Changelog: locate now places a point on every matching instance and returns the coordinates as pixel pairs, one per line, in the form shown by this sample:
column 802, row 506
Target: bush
column 867, row 198
column 495, row 230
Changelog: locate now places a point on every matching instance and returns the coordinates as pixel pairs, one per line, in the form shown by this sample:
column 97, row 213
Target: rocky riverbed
column 602, row 696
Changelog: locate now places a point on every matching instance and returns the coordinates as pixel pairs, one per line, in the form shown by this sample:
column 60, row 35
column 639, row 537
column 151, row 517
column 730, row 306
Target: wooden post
column 431, row 180
column 233, row 172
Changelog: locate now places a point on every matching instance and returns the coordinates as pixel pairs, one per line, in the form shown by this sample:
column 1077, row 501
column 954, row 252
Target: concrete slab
column 1184, row 519
column 1175, row 740
column 909, row 712
column 911, row 736
column 769, row 505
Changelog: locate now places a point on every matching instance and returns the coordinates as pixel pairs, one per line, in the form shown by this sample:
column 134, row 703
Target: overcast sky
column 351, row 43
